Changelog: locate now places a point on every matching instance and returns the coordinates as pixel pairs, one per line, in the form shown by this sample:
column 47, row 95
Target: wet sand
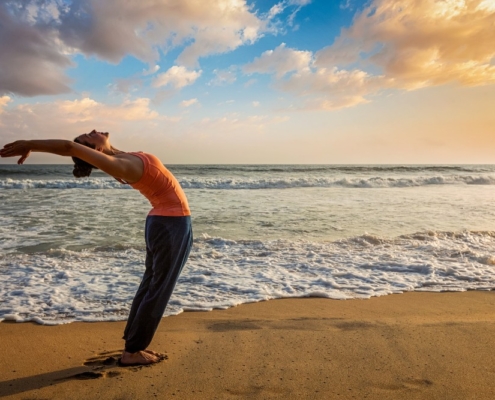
column 406, row 346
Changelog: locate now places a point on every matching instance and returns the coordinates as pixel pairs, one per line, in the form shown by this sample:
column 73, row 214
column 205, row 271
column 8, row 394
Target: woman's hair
column 81, row 167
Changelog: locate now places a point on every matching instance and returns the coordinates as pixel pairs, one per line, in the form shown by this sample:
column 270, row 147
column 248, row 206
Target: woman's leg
column 143, row 287
column 169, row 241
column 141, row 292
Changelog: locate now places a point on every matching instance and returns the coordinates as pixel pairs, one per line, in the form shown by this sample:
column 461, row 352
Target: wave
column 98, row 284
column 269, row 183
column 7, row 170
column 94, row 183
column 354, row 168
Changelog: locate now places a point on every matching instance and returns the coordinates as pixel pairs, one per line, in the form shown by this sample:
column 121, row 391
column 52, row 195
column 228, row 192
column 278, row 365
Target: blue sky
column 230, row 81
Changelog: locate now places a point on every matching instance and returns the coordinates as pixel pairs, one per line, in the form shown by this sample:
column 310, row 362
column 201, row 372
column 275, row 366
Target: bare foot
column 156, row 354
column 139, row 358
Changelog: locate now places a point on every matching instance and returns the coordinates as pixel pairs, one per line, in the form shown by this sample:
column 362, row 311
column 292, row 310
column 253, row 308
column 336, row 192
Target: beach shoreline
column 414, row 345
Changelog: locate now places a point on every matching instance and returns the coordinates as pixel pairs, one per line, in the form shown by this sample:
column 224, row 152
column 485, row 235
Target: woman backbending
column 168, row 232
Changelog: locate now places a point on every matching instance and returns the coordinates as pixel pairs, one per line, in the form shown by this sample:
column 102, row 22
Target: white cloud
column 188, row 103
column 299, row 2
column 177, row 77
column 141, row 27
column 345, row 4
column 151, row 70
column 37, row 36
column 223, row 77
column 280, row 61
column 255, row 103
column 276, row 10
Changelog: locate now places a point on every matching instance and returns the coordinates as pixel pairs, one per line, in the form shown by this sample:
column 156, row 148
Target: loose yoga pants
column 168, row 242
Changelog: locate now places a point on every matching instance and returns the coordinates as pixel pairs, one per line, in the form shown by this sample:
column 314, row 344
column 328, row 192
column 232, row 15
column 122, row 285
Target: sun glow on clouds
column 415, row 43
column 4, row 100
column 87, row 110
column 389, row 46
column 177, row 77
column 420, row 43
column 73, row 117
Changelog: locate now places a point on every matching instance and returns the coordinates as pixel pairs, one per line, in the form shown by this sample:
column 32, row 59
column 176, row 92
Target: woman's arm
column 129, row 169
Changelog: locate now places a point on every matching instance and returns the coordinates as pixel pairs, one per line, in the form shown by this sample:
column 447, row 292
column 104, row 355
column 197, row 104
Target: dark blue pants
column 168, row 242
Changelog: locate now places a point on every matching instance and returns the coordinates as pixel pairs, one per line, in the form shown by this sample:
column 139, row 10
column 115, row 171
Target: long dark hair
column 82, row 168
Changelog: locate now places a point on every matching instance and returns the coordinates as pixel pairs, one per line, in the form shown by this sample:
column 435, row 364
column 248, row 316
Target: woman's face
column 98, row 139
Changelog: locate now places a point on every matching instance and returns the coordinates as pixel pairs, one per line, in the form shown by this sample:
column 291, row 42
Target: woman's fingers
column 16, row 149
column 7, row 150
column 23, row 158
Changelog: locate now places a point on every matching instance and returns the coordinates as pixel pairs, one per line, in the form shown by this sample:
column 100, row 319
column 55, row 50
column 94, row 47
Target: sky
column 254, row 82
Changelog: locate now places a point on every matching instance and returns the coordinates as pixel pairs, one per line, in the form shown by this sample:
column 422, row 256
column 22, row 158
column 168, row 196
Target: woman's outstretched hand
column 18, row 148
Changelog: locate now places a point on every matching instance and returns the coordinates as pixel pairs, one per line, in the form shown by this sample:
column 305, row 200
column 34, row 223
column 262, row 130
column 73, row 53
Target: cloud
column 255, row 103
column 331, row 89
column 317, row 88
column 299, row 2
column 37, row 37
column 177, row 77
column 32, row 61
column 345, row 4
column 223, row 77
column 111, row 29
column 151, row 70
column 280, row 61
column 420, row 43
column 88, row 109
column 125, row 86
column 69, row 118
column 4, row 100
column 188, row 103
column 392, row 44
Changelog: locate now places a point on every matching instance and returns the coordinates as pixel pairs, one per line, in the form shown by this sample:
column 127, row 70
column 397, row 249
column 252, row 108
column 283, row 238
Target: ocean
column 73, row 249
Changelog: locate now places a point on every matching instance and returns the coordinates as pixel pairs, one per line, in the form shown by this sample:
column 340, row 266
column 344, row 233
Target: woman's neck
column 112, row 151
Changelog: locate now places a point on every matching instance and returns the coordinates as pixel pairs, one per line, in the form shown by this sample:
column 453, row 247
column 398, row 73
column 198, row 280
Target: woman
column 168, row 231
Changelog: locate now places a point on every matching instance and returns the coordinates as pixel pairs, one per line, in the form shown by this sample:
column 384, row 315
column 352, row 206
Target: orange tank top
column 161, row 188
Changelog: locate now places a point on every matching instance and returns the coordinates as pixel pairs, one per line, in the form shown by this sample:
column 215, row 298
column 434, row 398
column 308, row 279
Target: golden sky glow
column 402, row 81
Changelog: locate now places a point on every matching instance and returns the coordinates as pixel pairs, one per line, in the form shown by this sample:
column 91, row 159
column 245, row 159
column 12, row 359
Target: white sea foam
column 263, row 183
column 78, row 254
column 98, row 284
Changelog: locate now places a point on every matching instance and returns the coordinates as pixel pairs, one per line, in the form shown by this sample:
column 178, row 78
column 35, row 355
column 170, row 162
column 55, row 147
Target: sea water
column 73, row 249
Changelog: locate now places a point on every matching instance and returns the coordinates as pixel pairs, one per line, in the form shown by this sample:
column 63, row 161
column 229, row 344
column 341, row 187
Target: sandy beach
column 406, row 346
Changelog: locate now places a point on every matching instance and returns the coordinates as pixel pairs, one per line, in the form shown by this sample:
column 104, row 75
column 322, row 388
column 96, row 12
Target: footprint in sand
column 103, row 365
column 105, row 359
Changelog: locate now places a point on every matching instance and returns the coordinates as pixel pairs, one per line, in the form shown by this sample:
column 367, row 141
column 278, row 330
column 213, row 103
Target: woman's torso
column 161, row 188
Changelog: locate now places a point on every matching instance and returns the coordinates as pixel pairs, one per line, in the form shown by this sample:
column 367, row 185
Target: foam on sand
column 98, row 284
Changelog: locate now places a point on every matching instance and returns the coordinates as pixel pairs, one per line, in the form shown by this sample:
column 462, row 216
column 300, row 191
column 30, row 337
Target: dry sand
column 407, row 346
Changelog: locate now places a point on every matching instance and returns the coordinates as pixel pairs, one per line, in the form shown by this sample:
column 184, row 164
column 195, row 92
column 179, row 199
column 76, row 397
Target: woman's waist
column 170, row 210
